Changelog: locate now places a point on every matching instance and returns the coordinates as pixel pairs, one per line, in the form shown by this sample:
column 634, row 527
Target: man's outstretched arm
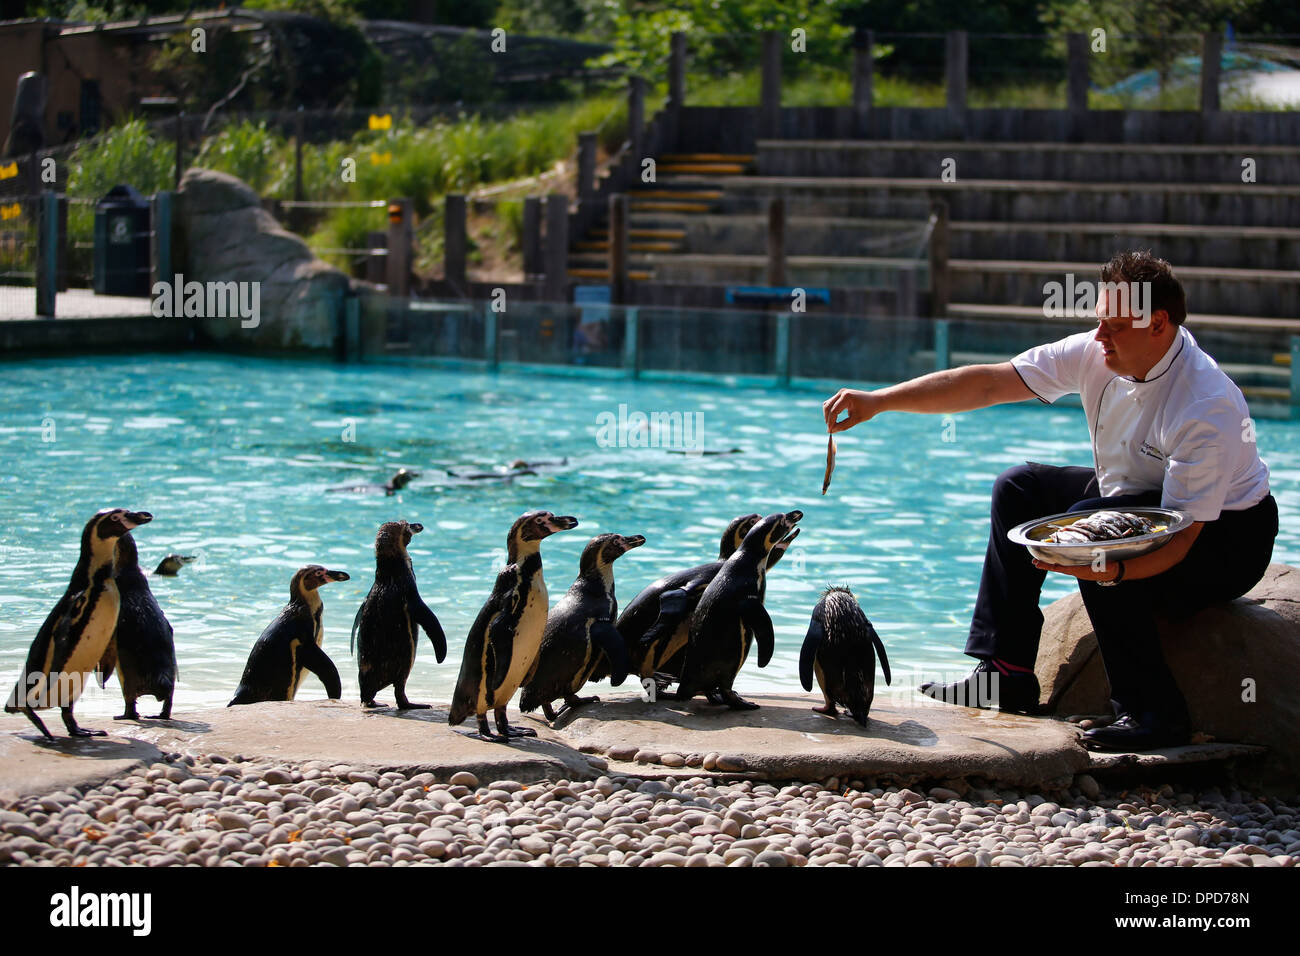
column 951, row 390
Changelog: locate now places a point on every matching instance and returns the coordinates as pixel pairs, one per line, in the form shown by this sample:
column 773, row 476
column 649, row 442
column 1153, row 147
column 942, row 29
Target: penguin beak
column 788, row 539
column 794, row 517
column 133, row 519
column 633, row 541
column 562, row 523
column 336, row 575
column 416, row 528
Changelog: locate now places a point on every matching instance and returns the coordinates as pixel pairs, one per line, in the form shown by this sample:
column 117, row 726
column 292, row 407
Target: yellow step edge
column 669, row 207
column 604, row 274
column 676, row 194
column 707, row 158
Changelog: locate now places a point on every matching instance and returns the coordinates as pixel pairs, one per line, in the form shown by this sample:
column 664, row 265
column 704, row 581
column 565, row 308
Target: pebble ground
column 209, row 811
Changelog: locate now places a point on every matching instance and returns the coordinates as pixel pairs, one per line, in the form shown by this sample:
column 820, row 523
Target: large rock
column 1238, row 665
column 225, row 235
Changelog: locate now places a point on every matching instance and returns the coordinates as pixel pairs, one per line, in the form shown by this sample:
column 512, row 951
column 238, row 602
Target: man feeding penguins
column 1168, row 429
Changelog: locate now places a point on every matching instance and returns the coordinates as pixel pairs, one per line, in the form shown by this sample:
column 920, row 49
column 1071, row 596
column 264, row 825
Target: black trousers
column 1227, row 560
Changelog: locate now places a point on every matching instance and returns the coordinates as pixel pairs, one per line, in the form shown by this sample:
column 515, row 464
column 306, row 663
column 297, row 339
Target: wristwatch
column 1116, row 579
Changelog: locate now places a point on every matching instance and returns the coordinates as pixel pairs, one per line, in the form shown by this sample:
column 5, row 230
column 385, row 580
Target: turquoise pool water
column 233, row 456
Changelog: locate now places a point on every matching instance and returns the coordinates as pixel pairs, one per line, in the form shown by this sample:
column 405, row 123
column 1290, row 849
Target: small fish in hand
column 830, row 462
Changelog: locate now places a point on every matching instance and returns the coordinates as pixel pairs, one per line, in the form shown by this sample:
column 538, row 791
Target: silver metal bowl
column 1032, row 534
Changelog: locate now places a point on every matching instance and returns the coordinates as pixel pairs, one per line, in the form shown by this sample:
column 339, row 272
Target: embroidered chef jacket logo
column 1151, row 451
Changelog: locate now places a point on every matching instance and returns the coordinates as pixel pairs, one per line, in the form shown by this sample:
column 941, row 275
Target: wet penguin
column 171, row 565
column 386, row 630
column 75, row 637
column 655, row 624
column 840, row 649
column 401, row 478
column 291, row 644
column 504, row 639
column 580, row 643
column 731, row 616
column 145, row 651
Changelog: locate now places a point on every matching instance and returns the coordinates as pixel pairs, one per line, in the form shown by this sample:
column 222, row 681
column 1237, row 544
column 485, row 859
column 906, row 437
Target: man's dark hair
column 1137, row 266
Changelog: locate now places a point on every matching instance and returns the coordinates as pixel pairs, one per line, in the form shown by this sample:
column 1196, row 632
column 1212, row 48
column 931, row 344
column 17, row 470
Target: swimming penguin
column 386, row 629
column 580, row 643
column 72, row 642
column 655, row 625
column 145, row 651
column 171, row 565
column 504, row 639
column 840, row 649
column 731, row 615
column 291, row 644
column 400, row 480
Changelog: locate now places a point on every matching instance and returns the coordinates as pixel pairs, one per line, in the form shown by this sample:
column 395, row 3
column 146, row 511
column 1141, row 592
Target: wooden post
column 61, row 268
column 618, row 249
column 942, row 346
column 400, row 232
column 864, row 68
column 180, row 147
column 635, row 116
column 631, row 343
column 676, row 72
column 956, row 70
column 160, row 238
column 1295, row 376
column 586, row 166
column 776, row 241
column 532, row 239
column 1211, row 61
column 940, row 280
column 905, row 293
column 454, row 242
column 297, row 156
column 47, row 253
column 1077, row 82
column 557, row 247
column 376, row 263
column 769, row 108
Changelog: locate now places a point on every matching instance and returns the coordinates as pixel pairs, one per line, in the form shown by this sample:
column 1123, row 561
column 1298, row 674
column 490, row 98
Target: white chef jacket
column 1185, row 430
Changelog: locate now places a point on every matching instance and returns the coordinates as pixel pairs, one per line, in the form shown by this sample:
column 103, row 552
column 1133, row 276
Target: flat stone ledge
column 1099, row 761
column 786, row 740
column 31, row 765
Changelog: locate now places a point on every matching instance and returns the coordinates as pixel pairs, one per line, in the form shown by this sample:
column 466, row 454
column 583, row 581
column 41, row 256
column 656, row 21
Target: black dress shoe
column 1130, row 734
column 988, row 688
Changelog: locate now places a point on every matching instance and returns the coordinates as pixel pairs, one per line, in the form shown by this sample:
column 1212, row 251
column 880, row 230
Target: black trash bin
column 122, row 243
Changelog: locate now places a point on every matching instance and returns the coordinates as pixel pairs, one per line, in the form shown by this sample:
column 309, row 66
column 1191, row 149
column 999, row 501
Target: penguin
column 386, row 629
column 291, row 644
column 171, row 565
column 840, row 649
column 400, row 480
column 142, row 644
column 654, row 626
column 731, row 616
column 503, row 641
column 75, row 637
column 580, row 643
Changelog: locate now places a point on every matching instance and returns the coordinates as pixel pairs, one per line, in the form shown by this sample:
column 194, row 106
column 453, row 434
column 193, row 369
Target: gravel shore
column 213, row 812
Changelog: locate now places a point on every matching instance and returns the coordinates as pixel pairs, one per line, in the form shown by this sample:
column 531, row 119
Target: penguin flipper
column 104, row 669
column 880, row 651
column 812, row 642
column 318, row 662
column 356, row 626
column 429, row 621
column 500, row 648
column 673, row 608
column 759, row 622
column 605, row 636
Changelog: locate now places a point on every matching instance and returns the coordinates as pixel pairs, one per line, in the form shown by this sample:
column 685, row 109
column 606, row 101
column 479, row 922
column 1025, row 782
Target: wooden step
column 667, row 206
column 695, row 194
column 602, row 245
column 702, row 169
column 741, row 158
column 580, row 273
column 603, row 233
column 1030, row 313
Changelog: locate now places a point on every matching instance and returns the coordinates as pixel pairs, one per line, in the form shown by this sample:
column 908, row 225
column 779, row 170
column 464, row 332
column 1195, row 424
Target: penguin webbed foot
column 735, row 701
column 129, row 713
column 506, row 731
column 74, row 730
column 372, row 704
column 830, row 710
column 485, row 732
column 408, row 705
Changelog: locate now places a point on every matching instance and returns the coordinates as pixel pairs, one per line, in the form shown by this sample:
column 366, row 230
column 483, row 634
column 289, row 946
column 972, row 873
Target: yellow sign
column 381, row 122
column 8, row 172
column 381, row 159
column 12, row 211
